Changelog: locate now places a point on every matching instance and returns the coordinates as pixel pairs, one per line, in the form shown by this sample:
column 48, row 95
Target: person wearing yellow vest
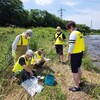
column 21, row 44
column 59, row 39
column 38, row 59
column 21, row 68
column 75, row 54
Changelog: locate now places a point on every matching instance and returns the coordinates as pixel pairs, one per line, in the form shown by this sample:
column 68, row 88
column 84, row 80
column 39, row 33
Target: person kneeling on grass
column 21, row 68
column 38, row 59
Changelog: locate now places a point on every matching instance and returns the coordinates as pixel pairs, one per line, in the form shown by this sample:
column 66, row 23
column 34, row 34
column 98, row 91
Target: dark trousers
column 24, row 75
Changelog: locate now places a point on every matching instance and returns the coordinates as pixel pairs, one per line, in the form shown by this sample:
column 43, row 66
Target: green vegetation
column 51, row 93
column 42, row 38
column 95, row 31
column 12, row 13
column 94, row 90
column 88, row 64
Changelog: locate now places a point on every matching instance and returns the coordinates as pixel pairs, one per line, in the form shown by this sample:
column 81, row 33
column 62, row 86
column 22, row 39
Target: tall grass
column 88, row 65
column 41, row 38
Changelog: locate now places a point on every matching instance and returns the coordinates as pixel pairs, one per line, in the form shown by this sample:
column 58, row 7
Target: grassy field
column 44, row 38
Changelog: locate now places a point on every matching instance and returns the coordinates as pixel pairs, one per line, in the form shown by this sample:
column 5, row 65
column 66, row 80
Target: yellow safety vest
column 39, row 57
column 79, row 45
column 59, row 40
column 23, row 40
column 18, row 67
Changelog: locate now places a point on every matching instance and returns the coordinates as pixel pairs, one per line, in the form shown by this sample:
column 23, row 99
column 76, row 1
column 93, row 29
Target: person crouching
column 21, row 68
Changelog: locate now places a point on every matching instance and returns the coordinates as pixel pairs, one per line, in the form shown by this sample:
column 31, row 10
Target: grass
column 88, row 64
column 42, row 38
column 51, row 93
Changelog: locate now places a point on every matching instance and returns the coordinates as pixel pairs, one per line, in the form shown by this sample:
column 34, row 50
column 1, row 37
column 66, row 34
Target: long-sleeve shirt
column 72, row 40
column 14, row 45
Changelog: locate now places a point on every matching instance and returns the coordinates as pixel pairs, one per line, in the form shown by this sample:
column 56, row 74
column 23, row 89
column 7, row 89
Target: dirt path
column 65, row 81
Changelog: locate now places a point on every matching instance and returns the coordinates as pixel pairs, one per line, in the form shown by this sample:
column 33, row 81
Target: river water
column 93, row 43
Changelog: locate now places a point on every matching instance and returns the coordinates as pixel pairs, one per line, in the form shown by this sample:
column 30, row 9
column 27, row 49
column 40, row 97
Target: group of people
column 24, row 57
column 22, row 54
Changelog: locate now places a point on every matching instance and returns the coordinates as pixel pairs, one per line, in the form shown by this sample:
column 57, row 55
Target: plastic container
column 49, row 80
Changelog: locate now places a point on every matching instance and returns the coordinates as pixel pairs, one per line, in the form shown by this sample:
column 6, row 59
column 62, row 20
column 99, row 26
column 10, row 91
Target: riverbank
column 93, row 46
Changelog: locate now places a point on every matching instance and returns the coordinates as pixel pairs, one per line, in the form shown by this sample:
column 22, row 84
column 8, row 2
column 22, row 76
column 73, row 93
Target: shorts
column 59, row 49
column 76, row 60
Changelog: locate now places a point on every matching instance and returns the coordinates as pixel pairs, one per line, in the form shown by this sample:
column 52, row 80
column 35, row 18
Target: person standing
column 21, row 44
column 75, row 53
column 59, row 39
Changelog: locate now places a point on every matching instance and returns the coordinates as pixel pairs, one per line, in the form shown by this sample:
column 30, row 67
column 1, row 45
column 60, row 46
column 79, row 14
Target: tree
column 12, row 12
column 84, row 29
column 44, row 19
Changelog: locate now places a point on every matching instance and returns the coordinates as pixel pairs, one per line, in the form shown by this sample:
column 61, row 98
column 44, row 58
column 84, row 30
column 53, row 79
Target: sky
column 81, row 11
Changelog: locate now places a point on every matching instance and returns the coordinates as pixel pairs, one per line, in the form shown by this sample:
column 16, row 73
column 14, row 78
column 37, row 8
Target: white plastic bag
column 28, row 87
column 32, row 86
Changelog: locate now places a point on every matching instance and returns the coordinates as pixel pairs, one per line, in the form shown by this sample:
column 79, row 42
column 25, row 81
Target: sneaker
column 74, row 89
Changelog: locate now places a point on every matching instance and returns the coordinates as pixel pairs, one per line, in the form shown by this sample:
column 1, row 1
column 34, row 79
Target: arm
column 36, row 58
column 14, row 45
column 26, row 68
column 71, row 45
column 63, row 36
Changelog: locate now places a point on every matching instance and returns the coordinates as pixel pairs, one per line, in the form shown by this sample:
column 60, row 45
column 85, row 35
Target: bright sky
column 81, row 11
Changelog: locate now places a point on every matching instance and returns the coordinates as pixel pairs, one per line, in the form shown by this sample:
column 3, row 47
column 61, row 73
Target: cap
column 29, row 52
column 29, row 31
column 58, row 28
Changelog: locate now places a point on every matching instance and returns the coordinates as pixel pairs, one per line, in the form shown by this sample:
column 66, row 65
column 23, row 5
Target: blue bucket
column 49, row 80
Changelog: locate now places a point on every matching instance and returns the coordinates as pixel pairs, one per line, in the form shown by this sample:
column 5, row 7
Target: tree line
column 12, row 12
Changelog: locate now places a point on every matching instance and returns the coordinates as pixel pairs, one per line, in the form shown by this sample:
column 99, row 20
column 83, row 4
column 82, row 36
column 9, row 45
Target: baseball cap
column 29, row 31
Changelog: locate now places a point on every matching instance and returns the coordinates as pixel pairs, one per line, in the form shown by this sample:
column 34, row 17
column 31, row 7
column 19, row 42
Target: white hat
column 29, row 31
column 29, row 52
column 58, row 28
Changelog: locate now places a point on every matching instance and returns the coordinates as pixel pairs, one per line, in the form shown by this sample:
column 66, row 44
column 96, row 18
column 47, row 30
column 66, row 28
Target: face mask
column 29, row 58
column 58, row 32
column 28, row 37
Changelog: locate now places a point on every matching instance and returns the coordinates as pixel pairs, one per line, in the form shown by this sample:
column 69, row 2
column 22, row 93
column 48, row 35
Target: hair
column 69, row 24
column 40, row 49
column 29, row 52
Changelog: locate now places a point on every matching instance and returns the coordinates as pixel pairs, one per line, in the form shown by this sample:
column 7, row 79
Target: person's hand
column 68, row 57
column 14, row 53
column 54, row 46
column 31, row 73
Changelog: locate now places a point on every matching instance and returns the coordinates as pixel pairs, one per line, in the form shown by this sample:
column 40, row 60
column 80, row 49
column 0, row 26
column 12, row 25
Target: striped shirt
column 72, row 39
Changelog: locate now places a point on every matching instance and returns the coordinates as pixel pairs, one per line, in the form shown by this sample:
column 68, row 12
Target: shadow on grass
column 92, row 89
